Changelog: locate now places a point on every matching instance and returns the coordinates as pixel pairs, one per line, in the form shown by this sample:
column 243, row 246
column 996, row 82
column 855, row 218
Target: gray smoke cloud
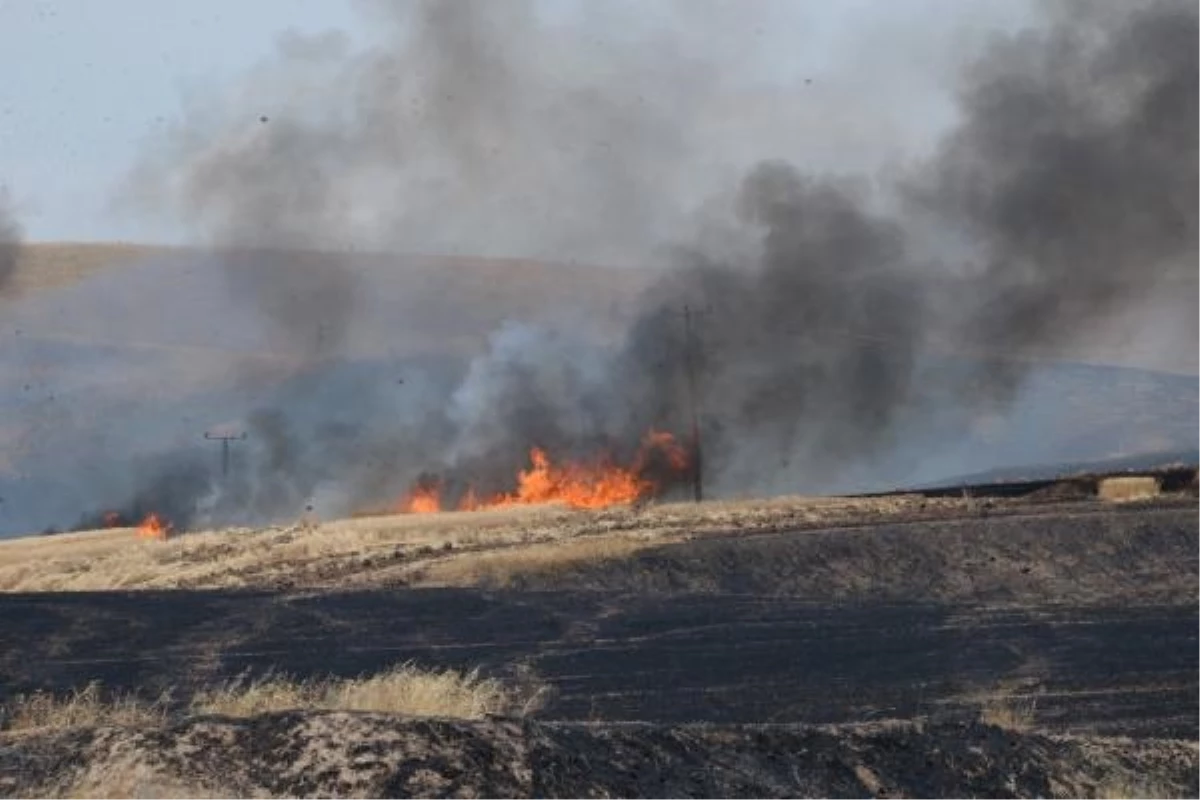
column 1072, row 179
column 1075, row 169
column 847, row 307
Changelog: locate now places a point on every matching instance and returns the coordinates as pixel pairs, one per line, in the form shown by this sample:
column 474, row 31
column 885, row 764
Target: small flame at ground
column 112, row 520
column 154, row 527
column 579, row 485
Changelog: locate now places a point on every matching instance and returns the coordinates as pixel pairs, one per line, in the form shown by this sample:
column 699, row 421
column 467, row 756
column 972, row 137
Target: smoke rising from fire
column 1073, row 177
column 847, row 307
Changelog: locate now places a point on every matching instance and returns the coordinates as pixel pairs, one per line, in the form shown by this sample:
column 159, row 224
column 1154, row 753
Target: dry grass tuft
column 1128, row 787
column 404, row 690
column 499, row 568
column 119, row 778
column 81, row 708
column 1127, row 489
column 1010, row 713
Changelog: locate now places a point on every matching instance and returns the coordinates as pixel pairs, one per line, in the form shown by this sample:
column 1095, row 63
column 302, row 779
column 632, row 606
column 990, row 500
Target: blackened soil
column 362, row 755
column 673, row 659
column 1088, row 623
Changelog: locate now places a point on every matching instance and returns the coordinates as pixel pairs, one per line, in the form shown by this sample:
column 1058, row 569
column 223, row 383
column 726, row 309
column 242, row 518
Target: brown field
column 452, row 548
column 517, row 288
column 858, row 545
column 902, row 645
column 47, row 265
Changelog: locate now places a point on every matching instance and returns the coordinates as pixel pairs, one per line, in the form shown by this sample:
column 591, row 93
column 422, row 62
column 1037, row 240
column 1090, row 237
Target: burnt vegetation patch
column 1081, row 556
column 442, row 758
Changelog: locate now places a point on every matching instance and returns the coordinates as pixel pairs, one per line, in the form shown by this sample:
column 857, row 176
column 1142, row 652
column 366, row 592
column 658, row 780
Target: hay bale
column 1125, row 489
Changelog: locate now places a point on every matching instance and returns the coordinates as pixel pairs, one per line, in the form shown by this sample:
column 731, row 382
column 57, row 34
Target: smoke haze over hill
column 865, row 300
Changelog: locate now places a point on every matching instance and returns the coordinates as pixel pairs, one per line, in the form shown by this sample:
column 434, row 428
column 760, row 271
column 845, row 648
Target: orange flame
column 579, row 485
column 154, row 527
column 423, row 499
column 576, row 485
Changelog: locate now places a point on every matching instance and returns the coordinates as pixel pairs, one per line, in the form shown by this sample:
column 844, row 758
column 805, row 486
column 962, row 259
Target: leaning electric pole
column 689, row 350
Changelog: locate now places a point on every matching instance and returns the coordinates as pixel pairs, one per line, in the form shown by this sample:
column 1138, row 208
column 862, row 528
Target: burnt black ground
column 696, row 668
column 377, row 755
column 677, row 659
column 719, row 631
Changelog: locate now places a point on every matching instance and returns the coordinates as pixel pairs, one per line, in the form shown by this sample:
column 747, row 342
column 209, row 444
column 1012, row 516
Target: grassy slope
column 445, row 304
column 445, row 547
column 525, row 285
column 49, row 265
column 911, row 539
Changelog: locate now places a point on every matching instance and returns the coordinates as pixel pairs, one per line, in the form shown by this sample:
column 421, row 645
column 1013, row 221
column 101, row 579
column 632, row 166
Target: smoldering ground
column 856, row 322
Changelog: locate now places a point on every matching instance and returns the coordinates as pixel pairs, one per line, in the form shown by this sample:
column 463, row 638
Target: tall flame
column 598, row 484
column 576, row 485
column 423, row 499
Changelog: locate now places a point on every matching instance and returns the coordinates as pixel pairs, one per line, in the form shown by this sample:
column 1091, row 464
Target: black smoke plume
column 850, row 322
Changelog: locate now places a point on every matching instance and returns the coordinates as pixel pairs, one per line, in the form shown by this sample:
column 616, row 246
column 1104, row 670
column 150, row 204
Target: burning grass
column 600, row 483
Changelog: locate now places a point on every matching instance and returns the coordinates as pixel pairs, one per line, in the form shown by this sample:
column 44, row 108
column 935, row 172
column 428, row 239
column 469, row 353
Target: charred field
column 1001, row 644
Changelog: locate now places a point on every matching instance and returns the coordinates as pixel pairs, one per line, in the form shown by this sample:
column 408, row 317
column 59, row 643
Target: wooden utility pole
column 689, row 349
column 224, row 439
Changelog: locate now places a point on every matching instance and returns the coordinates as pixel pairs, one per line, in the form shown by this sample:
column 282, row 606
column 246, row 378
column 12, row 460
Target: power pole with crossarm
column 224, row 439
column 689, row 347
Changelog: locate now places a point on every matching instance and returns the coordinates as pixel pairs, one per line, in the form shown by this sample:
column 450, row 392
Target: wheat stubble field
column 904, row 645
column 1040, row 642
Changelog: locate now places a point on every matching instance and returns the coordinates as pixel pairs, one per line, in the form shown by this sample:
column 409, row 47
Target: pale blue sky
column 88, row 82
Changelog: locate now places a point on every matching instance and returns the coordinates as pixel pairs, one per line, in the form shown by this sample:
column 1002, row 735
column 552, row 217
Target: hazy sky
column 87, row 82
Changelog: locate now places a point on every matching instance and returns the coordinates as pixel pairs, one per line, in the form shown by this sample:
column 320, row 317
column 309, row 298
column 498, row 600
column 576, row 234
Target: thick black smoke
column 1075, row 170
column 1073, row 177
column 835, row 316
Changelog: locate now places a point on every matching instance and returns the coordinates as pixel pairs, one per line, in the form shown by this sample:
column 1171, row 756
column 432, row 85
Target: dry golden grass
column 403, row 690
column 444, row 549
column 46, row 265
column 1126, row 787
column 500, row 567
column 121, row 778
column 1128, row 489
column 1009, row 713
column 84, row 707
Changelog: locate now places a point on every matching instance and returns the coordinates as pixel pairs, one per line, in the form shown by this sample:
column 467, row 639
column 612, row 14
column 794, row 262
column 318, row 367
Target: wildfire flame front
column 599, row 484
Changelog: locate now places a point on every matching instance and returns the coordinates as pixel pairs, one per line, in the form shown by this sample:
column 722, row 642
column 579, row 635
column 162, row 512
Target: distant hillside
column 47, row 265
column 147, row 297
